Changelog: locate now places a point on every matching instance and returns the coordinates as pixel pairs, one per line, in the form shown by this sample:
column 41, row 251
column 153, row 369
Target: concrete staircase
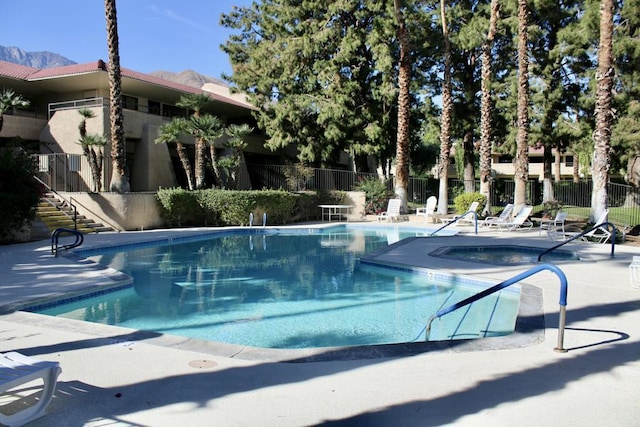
column 56, row 213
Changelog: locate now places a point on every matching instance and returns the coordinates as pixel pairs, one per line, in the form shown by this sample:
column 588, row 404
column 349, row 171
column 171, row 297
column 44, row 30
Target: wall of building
column 132, row 211
column 24, row 127
column 140, row 211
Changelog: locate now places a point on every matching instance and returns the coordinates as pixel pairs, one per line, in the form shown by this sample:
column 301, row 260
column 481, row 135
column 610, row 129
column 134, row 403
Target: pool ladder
column 264, row 219
column 55, row 236
column 509, row 282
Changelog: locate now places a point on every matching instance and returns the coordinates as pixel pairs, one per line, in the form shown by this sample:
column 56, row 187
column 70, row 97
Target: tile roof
column 68, row 70
column 9, row 69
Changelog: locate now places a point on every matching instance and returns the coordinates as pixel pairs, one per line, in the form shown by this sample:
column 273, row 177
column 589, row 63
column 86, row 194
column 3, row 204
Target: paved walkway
column 113, row 376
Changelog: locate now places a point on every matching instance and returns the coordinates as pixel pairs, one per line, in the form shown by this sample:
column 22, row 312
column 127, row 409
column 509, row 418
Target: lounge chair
column 393, row 211
column 553, row 226
column 520, row 221
column 465, row 217
column 504, row 216
column 597, row 234
column 428, row 210
column 17, row 370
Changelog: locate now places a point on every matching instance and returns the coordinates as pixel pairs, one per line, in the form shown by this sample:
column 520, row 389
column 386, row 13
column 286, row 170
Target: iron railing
column 72, row 173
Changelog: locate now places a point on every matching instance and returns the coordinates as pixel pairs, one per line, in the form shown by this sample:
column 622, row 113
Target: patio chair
column 520, row 221
column 554, row 225
column 465, row 217
column 16, row 371
column 597, row 234
column 428, row 210
column 504, row 216
column 393, row 211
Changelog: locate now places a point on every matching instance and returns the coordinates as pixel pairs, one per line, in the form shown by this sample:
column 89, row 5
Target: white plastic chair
column 393, row 211
column 429, row 209
column 17, row 370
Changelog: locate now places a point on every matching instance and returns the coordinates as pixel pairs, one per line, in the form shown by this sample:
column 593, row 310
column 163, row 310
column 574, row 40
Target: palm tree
column 236, row 144
column 485, row 109
column 206, row 129
column 92, row 148
column 404, row 107
column 603, row 112
column 170, row 133
column 445, row 125
column 522, row 139
column 196, row 102
column 119, row 179
column 9, row 100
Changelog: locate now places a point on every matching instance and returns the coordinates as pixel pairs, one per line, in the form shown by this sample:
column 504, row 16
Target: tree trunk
column 217, row 175
column 95, row 163
column 186, row 164
column 603, row 112
column 404, row 108
column 445, row 125
column 576, row 168
column 201, row 149
column 557, row 173
column 485, row 109
column 119, row 180
column 547, row 166
column 522, row 138
column 469, row 174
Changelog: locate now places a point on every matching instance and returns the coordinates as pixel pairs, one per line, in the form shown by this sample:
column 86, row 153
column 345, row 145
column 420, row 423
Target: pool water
column 288, row 291
column 503, row 254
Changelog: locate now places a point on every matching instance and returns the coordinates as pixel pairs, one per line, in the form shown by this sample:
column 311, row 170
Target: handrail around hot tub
column 589, row 230
column 453, row 221
column 509, row 282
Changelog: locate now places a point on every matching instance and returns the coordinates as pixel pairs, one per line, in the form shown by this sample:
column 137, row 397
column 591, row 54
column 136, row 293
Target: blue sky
column 154, row 35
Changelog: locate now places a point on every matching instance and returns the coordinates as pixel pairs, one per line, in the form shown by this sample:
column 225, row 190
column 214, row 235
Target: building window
column 154, row 108
column 129, row 102
column 505, row 159
column 568, row 161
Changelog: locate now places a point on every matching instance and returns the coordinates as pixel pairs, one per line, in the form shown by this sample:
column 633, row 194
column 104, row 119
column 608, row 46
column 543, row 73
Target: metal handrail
column 509, row 282
column 69, row 202
column 587, row 231
column 95, row 215
column 56, row 235
column 453, row 221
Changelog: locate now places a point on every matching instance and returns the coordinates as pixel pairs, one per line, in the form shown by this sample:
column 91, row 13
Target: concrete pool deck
column 111, row 376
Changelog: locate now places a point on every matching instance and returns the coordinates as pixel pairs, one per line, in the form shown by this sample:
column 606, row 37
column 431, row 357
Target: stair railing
column 453, row 221
column 71, row 203
column 581, row 234
column 68, row 202
column 509, row 282
column 95, row 215
column 55, row 236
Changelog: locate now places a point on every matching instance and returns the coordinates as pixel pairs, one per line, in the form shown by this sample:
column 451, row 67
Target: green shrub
column 214, row 207
column 376, row 194
column 463, row 201
column 19, row 192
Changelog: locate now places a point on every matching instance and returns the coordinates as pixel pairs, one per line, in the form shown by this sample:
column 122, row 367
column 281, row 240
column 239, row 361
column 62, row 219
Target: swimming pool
column 287, row 289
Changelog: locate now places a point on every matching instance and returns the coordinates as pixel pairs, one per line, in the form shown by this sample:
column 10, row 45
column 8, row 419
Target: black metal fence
column 71, row 173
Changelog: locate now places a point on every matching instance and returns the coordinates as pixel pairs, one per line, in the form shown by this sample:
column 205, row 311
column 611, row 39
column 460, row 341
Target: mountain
column 188, row 78
column 49, row 60
column 33, row 59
